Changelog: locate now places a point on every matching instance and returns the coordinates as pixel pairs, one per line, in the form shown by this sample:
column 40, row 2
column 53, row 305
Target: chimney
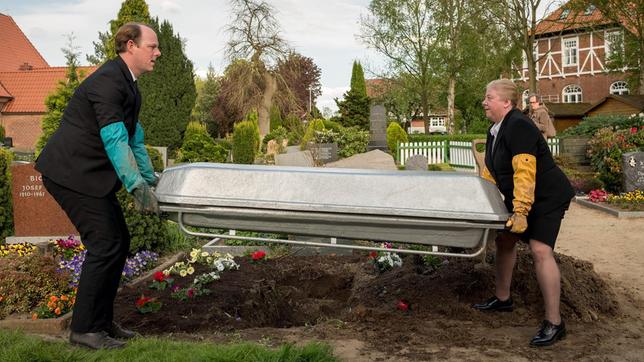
column 26, row 66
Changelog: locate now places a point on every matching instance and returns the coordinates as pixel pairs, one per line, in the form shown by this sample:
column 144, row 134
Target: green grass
column 19, row 347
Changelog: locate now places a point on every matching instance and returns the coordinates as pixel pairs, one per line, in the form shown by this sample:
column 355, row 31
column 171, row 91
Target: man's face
column 495, row 107
column 146, row 52
column 533, row 103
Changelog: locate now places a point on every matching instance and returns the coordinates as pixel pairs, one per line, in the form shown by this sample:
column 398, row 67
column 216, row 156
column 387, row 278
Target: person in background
column 538, row 113
column 97, row 149
column 537, row 194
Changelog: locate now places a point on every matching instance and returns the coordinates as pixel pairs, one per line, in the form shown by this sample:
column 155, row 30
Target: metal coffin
column 433, row 208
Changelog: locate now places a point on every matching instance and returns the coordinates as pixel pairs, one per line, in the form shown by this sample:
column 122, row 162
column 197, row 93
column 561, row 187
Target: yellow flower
column 204, row 254
column 183, row 273
column 191, row 270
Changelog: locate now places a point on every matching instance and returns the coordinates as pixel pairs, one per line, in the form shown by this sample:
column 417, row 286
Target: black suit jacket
column 74, row 156
column 518, row 135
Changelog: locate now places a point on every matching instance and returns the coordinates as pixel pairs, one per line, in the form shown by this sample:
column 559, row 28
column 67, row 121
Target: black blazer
column 74, row 156
column 518, row 135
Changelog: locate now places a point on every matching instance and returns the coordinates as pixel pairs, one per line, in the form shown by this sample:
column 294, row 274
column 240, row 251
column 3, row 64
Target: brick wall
column 24, row 129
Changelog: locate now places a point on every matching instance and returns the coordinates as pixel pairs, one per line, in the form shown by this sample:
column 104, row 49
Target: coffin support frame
column 476, row 253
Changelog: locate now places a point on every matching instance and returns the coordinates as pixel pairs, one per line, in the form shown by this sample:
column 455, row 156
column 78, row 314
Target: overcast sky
column 324, row 30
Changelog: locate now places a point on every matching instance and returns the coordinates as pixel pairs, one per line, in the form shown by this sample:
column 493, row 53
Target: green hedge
column 245, row 142
column 309, row 135
column 6, row 209
column 395, row 135
column 156, row 158
column 351, row 141
column 2, row 134
column 450, row 137
column 147, row 232
column 199, row 146
column 590, row 125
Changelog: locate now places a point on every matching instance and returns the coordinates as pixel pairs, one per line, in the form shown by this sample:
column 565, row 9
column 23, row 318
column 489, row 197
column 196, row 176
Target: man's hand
column 517, row 223
column 155, row 181
column 144, row 200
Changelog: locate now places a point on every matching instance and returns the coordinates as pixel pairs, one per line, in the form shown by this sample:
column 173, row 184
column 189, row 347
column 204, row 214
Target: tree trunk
column 451, row 94
column 263, row 113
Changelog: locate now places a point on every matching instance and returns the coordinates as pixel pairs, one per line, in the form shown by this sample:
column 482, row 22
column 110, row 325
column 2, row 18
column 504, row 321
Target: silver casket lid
column 443, row 195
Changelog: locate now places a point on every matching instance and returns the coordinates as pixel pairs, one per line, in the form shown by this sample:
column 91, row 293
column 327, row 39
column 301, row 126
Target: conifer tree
column 56, row 102
column 131, row 11
column 354, row 108
column 168, row 92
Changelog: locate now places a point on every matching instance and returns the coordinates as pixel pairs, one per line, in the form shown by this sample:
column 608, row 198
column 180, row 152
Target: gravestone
column 37, row 217
column 377, row 128
column 324, row 152
column 416, row 163
column 295, row 158
column 375, row 160
column 633, row 170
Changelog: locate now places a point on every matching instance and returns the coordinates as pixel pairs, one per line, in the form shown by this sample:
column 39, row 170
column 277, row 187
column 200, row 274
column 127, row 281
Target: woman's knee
column 540, row 251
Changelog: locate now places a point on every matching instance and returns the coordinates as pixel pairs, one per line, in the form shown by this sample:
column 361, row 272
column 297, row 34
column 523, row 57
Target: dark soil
column 344, row 297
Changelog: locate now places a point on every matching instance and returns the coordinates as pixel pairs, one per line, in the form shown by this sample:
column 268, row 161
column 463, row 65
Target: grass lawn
column 19, row 347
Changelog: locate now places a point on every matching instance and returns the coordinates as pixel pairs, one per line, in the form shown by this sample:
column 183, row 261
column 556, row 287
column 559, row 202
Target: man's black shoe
column 119, row 332
column 494, row 304
column 97, row 340
column 548, row 334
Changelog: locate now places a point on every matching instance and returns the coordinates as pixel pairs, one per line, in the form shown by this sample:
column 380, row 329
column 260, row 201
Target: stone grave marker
column 633, row 170
column 37, row 217
column 324, row 152
column 416, row 163
column 295, row 158
column 377, row 128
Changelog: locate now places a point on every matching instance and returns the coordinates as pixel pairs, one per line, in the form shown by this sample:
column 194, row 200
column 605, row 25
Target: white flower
column 204, row 254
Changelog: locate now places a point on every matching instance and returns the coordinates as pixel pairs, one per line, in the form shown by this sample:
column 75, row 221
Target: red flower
column 373, row 255
column 190, row 293
column 258, row 255
column 633, row 130
column 159, row 276
column 403, row 305
column 142, row 301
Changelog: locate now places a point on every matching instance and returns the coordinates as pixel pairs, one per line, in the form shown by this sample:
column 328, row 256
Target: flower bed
column 628, row 204
column 37, row 291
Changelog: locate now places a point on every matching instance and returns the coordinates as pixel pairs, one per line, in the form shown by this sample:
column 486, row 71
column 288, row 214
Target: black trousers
column 104, row 233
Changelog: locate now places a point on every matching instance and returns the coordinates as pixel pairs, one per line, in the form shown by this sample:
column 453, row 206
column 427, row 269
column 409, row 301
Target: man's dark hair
column 127, row 32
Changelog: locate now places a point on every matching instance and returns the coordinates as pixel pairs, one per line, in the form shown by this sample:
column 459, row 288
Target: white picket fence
column 457, row 154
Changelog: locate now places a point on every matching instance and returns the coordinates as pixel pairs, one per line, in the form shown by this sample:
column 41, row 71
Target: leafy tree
column 130, row 11
column 207, row 92
column 169, row 91
column 354, row 108
column 56, row 102
column 255, row 38
column 198, row 146
column 302, row 77
column 405, row 32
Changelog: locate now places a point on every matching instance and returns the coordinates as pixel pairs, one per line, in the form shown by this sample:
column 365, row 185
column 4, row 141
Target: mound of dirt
column 297, row 290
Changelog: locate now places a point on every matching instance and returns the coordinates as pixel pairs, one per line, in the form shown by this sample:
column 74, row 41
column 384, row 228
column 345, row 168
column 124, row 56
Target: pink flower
column 190, row 292
column 403, row 305
column 633, row 130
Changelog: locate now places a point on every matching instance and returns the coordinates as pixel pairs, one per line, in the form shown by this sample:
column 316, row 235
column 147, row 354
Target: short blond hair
column 506, row 89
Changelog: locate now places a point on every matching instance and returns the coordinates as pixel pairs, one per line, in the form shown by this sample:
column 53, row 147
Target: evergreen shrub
column 395, row 135
column 245, row 142
column 6, row 209
column 199, row 146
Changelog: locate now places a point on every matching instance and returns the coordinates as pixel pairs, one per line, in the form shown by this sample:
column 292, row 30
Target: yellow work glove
column 524, row 178
column 485, row 174
column 517, row 223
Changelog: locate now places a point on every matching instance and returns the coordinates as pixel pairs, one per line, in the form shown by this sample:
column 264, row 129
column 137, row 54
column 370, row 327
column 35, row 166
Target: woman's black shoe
column 548, row 334
column 494, row 304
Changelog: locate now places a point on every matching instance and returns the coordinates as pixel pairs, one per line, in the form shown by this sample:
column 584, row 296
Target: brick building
column 571, row 48
column 26, row 80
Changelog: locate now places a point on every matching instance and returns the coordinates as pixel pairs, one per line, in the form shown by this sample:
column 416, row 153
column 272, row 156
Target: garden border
column 621, row 214
column 60, row 325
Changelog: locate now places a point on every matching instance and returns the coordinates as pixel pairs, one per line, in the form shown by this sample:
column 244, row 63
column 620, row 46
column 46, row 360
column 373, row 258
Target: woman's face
column 495, row 107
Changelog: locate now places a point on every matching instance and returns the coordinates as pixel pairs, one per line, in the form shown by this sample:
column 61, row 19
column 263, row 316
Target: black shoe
column 119, row 332
column 97, row 340
column 494, row 304
column 548, row 334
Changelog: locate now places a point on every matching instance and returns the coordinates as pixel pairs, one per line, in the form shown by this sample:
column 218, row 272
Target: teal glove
column 137, row 145
column 115, row 142
column 144, row 200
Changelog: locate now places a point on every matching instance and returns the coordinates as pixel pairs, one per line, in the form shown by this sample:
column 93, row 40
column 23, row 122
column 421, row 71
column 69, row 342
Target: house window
column 437, row 122
column 570, row 52
column 612, row 42
column 619, row 88
column 564, row 14
column 590, row 10
column 572, row 94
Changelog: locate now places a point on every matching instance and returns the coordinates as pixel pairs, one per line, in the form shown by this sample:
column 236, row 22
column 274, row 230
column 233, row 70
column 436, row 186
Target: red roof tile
column 16, row 48
column 30, row 88
column 4, row 93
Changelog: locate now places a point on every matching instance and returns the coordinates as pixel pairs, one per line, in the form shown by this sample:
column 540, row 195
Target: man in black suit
column 97, row 149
